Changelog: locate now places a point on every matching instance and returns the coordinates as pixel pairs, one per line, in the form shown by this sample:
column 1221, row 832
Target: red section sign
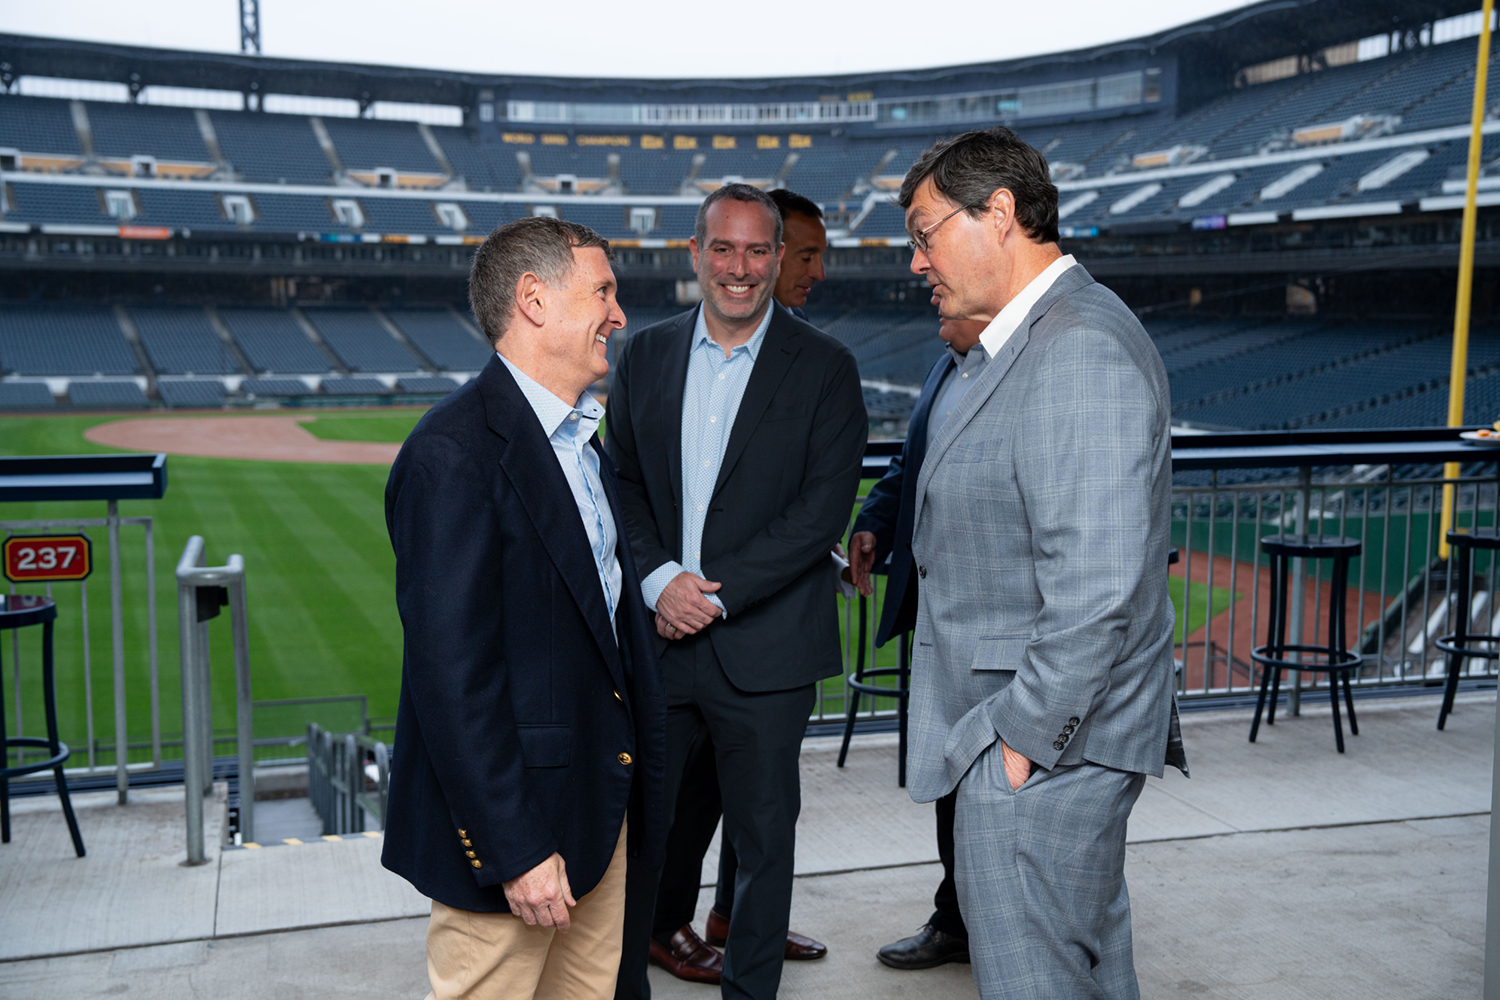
column 145, row 233
column 47, row 558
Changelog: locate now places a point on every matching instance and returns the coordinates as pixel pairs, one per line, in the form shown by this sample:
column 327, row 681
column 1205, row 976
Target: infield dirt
column 267, row 439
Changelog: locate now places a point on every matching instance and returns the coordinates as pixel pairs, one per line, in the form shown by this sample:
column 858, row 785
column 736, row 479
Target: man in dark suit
column 675, row 944
column 531, row 725
column 738, row 431
column 882, row 537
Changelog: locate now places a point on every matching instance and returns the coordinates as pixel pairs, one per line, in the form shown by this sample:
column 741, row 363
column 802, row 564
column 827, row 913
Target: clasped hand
column 682, row 609
column 542, row 896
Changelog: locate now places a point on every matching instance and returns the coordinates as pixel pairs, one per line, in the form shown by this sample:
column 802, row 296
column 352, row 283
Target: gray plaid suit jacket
column 1041, row 536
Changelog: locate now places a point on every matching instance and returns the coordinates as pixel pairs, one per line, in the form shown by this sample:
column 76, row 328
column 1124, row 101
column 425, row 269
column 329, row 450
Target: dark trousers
column 697, row 816
column 757, row 740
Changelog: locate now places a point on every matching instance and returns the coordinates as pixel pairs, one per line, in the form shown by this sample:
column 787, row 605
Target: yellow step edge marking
column 332, row 837
column 372, row 835
column 290, row 840
column 250, row 845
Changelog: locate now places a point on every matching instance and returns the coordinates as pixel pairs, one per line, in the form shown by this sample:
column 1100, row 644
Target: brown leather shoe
column 799, row 948
column 687, row 957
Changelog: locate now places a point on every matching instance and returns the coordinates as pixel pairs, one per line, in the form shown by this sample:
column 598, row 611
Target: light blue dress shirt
column 954, row 387
column 710, row 401
column 568, row 430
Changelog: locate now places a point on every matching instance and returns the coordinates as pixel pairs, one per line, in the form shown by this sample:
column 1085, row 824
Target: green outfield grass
column 320, row 580
column 319, row 570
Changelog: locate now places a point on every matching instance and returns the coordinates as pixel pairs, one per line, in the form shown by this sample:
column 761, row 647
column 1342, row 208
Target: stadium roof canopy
column 1213, row 48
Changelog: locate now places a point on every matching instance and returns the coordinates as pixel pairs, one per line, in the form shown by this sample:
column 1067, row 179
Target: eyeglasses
column 918, row 239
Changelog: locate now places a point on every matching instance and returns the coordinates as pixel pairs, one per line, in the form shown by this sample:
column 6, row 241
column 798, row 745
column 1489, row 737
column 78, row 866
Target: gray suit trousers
column 1041, row 881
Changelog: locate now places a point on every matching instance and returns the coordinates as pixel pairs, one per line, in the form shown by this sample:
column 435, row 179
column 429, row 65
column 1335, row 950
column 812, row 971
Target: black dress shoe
column 926, row 949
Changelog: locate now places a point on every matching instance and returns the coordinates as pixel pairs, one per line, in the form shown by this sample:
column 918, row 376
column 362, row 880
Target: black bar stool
column 1456, row 643
column 859, row 684
column 1332, row 659
column 19, row 611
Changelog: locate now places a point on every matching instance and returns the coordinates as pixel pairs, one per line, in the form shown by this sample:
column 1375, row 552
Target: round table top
column 20, row 610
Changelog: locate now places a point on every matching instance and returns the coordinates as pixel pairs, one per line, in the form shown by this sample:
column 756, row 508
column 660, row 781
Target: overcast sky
column 660, row 38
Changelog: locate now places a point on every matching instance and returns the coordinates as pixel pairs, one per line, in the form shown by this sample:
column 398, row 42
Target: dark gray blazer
column 1041, row 536
column 784, row 495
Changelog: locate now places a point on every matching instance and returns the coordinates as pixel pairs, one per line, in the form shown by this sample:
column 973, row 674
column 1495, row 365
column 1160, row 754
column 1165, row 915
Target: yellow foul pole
column 1460, row 367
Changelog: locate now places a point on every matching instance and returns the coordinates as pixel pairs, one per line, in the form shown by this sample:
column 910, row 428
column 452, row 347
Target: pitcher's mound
column 266, row 439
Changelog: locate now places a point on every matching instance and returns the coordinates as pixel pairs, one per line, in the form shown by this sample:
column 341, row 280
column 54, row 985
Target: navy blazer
column 524, row 727
column 785, row 489
column 887, row 512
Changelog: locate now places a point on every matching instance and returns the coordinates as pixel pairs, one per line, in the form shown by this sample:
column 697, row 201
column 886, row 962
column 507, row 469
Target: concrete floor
column 1281, row 870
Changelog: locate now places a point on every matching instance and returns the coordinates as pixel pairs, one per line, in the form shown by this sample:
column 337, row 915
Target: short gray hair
column 540, row 245
column 747, row 193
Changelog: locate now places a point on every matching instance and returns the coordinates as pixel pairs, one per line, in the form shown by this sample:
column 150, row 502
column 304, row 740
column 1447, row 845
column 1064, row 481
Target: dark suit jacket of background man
column 791, row 468
column 517, row 701
column 887, row 513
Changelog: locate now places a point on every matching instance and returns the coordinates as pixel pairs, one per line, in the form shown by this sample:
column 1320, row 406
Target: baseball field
column 319, row 571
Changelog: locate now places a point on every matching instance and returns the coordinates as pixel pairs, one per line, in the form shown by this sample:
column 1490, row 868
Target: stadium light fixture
column 250, row 27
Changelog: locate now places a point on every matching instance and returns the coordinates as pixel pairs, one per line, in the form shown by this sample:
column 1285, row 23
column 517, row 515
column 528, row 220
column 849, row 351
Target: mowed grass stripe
column 329, row 636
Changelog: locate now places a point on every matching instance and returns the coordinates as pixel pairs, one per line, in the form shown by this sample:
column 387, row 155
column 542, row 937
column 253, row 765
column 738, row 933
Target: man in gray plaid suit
column 1042, row 684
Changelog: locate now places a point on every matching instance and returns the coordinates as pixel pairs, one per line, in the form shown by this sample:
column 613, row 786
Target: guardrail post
column 244, row 705
column 1492, row 902
column 117, row 641
column 197, row 704
column 192, row 700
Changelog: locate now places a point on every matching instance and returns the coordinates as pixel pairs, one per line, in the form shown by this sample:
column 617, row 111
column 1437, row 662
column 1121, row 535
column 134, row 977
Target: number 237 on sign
column 47, row 558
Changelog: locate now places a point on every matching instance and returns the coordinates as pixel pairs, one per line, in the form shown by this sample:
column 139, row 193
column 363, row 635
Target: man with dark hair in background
column 739, row 432
column 882, row 536
column 531, row 717
column 675, row 945
column 806, row 240
column 1042, row 682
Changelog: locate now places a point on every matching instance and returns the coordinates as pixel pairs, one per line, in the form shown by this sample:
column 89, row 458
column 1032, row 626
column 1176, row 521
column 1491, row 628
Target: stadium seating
column 274, row 388
column 446, row 342
column 145, row 130
column 182, row 342
column 273, row 342
column 63, row 340
column 361, row 342
column 426, row 385
column 25, row 396
column 106, row 395
column 354, row 387
column 198, row 393
column 272, row 148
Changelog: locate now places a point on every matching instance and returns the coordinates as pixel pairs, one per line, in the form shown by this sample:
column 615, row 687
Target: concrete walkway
column 1282, row 869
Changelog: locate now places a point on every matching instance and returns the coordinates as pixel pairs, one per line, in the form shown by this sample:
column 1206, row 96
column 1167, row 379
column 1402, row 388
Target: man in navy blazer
column 882, row 537
column 530, row 734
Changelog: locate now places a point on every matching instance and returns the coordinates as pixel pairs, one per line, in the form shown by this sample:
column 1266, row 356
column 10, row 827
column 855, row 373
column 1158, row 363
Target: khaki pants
column 496, row 956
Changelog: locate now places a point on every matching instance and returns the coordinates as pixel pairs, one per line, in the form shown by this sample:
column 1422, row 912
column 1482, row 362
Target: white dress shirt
column 569, row 430
column 998, row 333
